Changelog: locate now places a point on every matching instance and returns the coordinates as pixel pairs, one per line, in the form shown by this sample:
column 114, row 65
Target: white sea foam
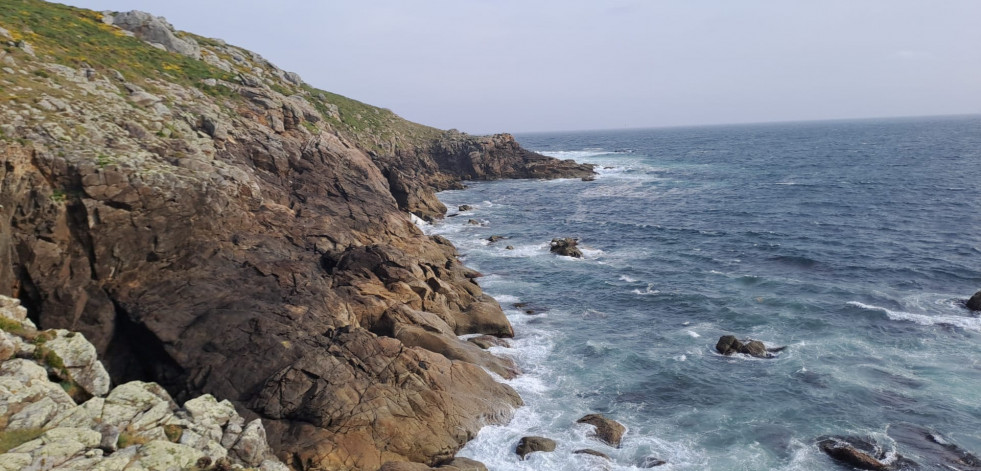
column 627, row 279
column 693, row 334
column 506, row 299
column 419, row 222
column 963, row 322
column 576, row 155
column 649, row 291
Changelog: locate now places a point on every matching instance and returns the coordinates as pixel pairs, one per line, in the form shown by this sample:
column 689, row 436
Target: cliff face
column 214, row 224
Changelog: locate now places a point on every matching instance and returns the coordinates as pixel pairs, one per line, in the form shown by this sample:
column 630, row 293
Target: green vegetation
column 15, row 438
column 77, row 37
column 58, row 195
column 173, row 432
column 11, row 326
column 128, row 438
column 369, row 126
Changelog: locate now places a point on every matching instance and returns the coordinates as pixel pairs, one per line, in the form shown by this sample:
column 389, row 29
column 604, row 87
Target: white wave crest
column 966, row 323
column 649, row 291
column 574, row 154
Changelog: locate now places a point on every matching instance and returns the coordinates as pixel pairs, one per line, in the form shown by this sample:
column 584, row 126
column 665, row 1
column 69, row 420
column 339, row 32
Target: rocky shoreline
column 214, row 225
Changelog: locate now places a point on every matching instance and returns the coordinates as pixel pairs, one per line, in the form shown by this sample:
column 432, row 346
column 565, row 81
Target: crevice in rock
column 29, row 295
column 78, row 225
column 135, row 353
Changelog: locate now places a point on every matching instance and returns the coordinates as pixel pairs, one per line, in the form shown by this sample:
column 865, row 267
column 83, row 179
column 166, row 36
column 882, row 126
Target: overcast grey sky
column 536, row 65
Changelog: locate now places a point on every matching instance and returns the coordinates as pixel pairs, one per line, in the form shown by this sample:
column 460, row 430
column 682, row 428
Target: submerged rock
column 565, row 246
column 864, row 454
column 465, row 207
column 495, row 238
column 587, row 451
column 974, row 303
column 729, row 344
column 608, row 431
column 933, row 447
column 651, row 462
column 532, row 444
column 843, row 451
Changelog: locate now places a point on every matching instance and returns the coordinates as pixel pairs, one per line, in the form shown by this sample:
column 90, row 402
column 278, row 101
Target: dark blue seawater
column 854, row 244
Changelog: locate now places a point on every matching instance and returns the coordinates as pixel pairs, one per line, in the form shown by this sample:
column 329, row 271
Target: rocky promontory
column 215, row 225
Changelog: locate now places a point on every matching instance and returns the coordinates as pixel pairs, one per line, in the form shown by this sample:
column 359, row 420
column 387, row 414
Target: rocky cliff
column 216, row 225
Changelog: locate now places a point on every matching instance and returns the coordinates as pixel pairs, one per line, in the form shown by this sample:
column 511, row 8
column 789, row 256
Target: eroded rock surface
column 221, row 227
column 136, row 425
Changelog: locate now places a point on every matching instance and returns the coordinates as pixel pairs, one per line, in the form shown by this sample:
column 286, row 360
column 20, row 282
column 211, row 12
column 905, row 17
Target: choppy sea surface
column 852, row 243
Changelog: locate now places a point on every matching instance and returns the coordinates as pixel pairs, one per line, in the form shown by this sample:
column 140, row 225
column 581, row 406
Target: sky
column 484, row 66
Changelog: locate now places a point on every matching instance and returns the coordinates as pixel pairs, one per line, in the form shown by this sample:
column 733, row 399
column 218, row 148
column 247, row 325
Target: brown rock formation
column 607, row 430
column 239, row 236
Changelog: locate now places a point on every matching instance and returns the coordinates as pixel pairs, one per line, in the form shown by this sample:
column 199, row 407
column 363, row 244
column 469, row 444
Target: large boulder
column 154, row 30
column 607, row 430
column 75, row 359
column 532, row 444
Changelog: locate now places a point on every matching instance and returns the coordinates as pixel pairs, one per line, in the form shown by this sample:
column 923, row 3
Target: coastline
column 234, row 231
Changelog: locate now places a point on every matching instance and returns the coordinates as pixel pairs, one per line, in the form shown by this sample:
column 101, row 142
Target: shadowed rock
column 587, row 451
column 532, row 444
column 607, row 430
column 974, row 303
column 651, row 462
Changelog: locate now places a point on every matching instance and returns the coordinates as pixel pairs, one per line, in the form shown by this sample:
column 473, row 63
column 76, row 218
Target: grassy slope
column 77, row 37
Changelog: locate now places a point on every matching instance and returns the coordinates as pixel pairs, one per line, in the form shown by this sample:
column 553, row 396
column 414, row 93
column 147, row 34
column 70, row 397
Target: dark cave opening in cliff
column 135, row 354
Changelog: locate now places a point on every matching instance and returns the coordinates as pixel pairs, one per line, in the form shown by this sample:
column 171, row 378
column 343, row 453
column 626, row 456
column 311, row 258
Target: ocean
column 852, row 243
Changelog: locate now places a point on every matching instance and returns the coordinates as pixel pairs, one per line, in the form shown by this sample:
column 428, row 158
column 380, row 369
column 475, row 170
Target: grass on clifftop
column 76, row 37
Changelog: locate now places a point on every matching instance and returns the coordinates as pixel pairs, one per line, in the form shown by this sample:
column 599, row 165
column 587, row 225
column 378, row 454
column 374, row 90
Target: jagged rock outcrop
column 565, row 246
column 607, row 430
column 974, row 303
column 135, row 425
column 218, row 226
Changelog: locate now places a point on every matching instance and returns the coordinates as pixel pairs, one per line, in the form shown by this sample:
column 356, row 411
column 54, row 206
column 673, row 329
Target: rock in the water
column 465, row 207
column 462, row 464
column 510, row 247
column 729, row 344
column 488, row 341
column 495, row 238
column 532, row 444
column 846, row 450
column 404, row 466
column 974, row 303
column 933, row 447
column 589, row 178
column 474, row 222
column 565, row 246
column 608, row 431
column 651, row 462
column 587, row 451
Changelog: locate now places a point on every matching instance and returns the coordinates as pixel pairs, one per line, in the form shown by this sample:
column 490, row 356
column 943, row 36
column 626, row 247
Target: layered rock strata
column 211, row 223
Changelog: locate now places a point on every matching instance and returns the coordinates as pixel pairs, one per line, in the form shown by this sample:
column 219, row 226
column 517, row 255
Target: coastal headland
column 216, row 225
